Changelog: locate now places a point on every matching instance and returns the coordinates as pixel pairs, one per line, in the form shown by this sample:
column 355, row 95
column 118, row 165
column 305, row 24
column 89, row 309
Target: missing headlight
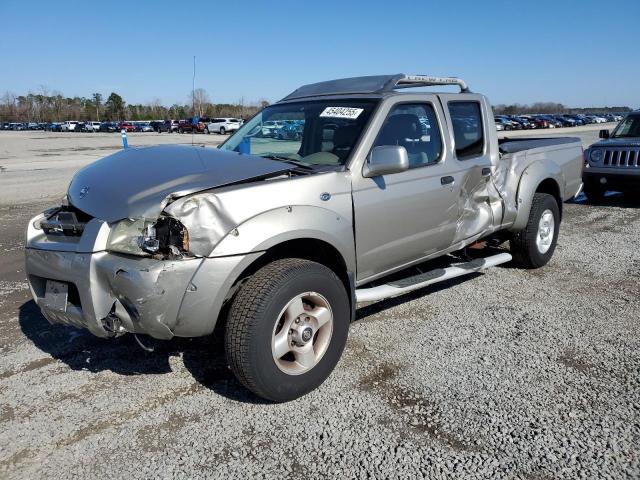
column 166, row 237
column 172, row 236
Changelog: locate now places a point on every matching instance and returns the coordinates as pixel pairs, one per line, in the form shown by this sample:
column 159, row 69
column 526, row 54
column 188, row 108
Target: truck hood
column 139, row 182
column 617, row 142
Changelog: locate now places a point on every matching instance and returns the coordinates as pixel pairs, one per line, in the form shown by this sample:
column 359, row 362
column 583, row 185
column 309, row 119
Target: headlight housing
column 596, row 155
column 165, row 236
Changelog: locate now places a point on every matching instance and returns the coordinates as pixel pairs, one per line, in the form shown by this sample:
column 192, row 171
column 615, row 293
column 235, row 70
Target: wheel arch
column 308, row 248
column 539, row 177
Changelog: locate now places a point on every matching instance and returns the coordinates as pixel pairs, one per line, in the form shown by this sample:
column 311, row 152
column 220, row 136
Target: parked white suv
column 92, row 126
column 69, row 126
column 223, row 125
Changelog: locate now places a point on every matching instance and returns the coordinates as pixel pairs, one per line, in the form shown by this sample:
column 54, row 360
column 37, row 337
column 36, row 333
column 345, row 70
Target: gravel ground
column 506, row 374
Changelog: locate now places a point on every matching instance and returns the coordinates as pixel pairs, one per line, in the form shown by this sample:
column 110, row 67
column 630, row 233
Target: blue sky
column 577, row 52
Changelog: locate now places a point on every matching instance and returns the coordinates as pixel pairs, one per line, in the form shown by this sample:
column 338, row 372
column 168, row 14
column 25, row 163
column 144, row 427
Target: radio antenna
column 193, row 97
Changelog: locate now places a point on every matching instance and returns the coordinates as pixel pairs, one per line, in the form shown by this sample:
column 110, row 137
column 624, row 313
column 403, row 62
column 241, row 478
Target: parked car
column 514, row 125
column 506, row 124
column 126, row 126
column 293, row 131
column 92, row 126
column 269, row 128
column 565, row 122
column 160, row 127
column 223, row 125
column 188, row 126
column 69, row 126
column 536, row 122
column 552, row 122
column 166, row 240
column 613, row 163
column 499, row 125
column 146, row 127
column 108, row 127
column 526, row 125
column 576, row 120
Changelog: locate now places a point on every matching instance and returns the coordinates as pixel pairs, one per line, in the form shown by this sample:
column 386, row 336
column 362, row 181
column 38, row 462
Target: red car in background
column 538, row 122
column 186, row 126
column 127, row 127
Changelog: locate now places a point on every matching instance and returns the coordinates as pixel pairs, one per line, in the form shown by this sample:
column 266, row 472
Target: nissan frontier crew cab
column 275, row 240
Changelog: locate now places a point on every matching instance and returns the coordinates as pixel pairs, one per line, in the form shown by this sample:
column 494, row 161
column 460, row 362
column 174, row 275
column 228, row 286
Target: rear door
column 479, row 200
column 404, row 217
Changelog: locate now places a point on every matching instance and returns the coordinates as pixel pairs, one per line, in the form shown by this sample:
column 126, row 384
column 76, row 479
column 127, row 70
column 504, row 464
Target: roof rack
column 373, row 84
column 410, row 81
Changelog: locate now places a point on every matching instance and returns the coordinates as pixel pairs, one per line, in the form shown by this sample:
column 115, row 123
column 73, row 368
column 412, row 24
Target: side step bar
column 406, row 285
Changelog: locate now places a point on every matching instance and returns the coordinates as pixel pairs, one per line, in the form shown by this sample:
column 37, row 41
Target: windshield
column 629, row 127
column 314, row 132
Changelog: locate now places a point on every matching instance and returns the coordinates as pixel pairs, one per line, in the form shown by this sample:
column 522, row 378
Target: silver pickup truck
column 275, row 240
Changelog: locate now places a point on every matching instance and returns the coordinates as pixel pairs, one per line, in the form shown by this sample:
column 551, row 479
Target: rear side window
column 415, row 127
column 466, row 118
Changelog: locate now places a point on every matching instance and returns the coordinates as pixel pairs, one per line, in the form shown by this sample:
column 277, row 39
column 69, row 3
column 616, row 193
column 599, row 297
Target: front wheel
column 533, row 246
column 287, row 328
column 222, row 131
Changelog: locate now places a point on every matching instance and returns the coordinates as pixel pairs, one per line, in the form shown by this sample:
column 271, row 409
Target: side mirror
column 386, row 159
column 604, row 134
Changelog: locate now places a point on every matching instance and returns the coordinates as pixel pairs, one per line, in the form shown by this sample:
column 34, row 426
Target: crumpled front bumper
column 160, row 298
column 145, row 294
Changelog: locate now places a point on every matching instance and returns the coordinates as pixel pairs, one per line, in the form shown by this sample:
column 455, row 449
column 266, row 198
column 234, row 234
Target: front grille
column 623, row 158
column 66, row 220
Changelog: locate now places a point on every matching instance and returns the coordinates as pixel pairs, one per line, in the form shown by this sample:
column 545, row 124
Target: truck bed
column 513, row 145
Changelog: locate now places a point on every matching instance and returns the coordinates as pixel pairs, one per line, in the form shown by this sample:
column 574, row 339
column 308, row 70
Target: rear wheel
column 287, row 328
column 533, row 246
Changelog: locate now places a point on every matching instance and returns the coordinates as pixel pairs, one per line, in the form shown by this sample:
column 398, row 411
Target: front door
column 406, row 216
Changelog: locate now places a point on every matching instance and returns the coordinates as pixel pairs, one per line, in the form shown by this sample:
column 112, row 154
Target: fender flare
column 530, row 180
column 245, row 244
column 279, row 225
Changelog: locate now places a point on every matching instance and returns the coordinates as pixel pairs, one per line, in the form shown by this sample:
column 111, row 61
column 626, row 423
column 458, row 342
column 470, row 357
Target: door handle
column 448, row 180
column 486, row 172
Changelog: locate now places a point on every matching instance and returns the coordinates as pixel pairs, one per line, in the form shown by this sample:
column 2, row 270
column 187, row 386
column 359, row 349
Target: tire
column 180, row 131
column 530, row 247
column 206, row 130
column 222, row 131
column 594, row 192
column 257, row 315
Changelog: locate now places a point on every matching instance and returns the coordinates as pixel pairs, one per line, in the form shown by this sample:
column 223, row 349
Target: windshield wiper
column 281, row 158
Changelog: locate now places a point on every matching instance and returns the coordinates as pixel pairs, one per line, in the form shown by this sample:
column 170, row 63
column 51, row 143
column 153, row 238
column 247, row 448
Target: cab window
column 415, row 127
column 466, row 119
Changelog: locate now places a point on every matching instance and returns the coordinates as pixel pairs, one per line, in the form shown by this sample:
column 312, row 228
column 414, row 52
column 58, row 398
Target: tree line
column 55, row 107
column 552, row 107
